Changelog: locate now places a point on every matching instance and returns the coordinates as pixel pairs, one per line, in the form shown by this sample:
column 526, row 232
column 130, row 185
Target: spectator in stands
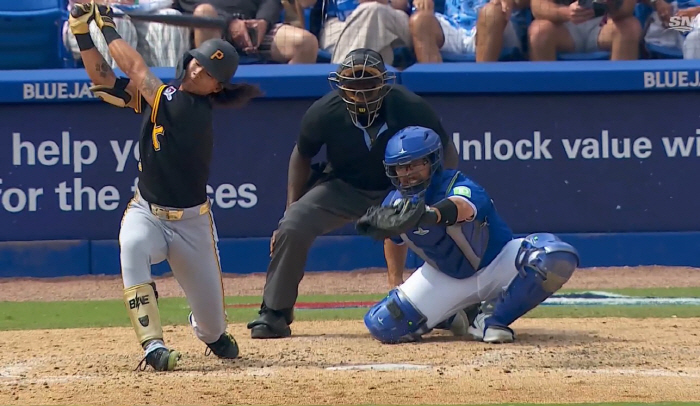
column 659, row 32
column 160, row 45
column 584, row 26
column 455, row 30
column 380, row 25
column 273, row 40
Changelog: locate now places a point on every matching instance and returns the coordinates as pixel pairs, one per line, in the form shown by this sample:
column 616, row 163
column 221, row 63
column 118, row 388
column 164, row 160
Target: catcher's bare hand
column 385, row 222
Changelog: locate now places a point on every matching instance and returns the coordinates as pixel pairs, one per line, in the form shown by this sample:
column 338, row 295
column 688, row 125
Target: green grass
column 111, row 313
column 648, row 292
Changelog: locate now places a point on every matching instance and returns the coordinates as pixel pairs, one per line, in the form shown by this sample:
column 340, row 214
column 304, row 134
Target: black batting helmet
column 361, row 80
column 217, row 56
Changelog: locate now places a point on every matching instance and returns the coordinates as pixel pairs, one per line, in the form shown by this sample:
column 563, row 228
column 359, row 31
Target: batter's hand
column 80, row 17
column 104, row 17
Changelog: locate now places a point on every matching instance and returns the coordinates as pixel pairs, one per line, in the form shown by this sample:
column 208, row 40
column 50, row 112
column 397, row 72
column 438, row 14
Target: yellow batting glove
column 104, row 16
column 80, row 17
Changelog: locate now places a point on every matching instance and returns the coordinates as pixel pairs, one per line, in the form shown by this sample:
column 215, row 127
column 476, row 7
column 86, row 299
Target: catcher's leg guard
column 545, row 264
column 142, row 306
column 394, row 319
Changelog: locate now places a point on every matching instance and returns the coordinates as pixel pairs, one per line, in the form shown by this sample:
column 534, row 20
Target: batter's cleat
column 161, row 359
column 270, row 324
column 492, row 335
column 225, row 347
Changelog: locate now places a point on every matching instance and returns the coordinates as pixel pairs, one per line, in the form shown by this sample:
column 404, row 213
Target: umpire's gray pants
column 326, row 207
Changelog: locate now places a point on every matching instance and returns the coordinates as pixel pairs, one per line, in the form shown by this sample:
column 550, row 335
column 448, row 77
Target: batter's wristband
column 110, row 34
column 84, row 41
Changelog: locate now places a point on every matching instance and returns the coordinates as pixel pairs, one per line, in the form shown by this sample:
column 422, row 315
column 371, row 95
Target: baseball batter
column 470, row 253
column 169, row 217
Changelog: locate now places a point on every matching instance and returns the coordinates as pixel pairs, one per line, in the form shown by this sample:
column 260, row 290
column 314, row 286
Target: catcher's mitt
column 384, row 222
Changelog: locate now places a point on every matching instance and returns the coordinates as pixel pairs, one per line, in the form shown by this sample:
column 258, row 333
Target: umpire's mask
column 361, row 81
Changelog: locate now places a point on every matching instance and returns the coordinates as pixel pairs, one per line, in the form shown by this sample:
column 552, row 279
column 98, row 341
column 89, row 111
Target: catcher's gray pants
column 326, row 207
column 190, row 245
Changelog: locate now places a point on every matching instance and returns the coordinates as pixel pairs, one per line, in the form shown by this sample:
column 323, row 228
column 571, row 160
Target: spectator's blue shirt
column 463, row 13
column 340, row 8
column 464, row 248
column 683, row 4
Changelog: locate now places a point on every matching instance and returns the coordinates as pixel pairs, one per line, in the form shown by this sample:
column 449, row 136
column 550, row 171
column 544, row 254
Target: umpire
column 354, row 123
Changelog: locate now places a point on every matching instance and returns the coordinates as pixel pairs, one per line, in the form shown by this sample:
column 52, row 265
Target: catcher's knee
column 546, row 254
column 394, row 319
column 141, row 303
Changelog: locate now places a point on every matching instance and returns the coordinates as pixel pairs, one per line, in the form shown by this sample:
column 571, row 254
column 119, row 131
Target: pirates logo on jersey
column 169, row 92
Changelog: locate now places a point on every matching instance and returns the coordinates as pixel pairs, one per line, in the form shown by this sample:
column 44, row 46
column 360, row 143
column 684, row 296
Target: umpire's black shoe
column 225, row 347
column 271, row 324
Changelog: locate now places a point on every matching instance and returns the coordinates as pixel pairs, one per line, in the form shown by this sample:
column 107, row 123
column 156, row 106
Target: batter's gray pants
column 326, row 207
column 190, row 246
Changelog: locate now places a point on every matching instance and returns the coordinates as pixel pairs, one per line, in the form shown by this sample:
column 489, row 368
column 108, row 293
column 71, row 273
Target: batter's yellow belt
column 174, row 214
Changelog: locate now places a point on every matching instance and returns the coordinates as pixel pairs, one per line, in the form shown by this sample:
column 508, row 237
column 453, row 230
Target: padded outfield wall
column 604, row 153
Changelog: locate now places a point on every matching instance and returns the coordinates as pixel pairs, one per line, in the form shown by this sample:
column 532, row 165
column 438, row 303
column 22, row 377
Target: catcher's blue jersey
column 464, row 248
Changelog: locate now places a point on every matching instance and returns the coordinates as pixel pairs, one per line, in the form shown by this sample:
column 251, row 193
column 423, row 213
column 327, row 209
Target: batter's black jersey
column 354, row 156
column 175, row 149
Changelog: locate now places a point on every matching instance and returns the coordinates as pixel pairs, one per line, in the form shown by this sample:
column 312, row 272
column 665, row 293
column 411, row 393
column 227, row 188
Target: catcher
column 470, row 253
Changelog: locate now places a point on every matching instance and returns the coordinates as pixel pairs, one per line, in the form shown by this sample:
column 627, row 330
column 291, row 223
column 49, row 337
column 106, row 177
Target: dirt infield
column 554, row 360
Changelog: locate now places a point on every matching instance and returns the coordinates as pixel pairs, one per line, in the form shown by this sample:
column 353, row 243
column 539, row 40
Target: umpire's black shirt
column 175, row 149
column 352, row 153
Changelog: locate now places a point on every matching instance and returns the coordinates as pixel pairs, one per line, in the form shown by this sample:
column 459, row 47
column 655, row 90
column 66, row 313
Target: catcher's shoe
column 225, row 347
column 271, row 324
column 161, row 359
column 493, row 334
column 498, row 335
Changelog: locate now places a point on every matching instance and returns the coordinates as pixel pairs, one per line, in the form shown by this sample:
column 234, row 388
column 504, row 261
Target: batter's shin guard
column 141, row 304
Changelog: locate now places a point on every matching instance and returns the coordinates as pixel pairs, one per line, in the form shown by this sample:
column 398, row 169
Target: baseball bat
column 178, row 20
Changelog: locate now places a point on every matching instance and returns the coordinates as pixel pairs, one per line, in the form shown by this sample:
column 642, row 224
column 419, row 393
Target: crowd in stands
column 416, row 31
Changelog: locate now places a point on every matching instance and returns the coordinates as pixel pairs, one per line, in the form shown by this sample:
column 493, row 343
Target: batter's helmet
column 217, row 56
column 362, row 82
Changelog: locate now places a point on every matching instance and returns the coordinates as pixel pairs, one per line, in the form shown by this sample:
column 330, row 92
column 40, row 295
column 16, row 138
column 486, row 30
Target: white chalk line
column 13, row 374
column 379, row 367
column 658, row 373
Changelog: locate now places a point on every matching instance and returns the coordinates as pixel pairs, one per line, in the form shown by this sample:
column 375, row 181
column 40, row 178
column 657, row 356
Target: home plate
column 378, row 367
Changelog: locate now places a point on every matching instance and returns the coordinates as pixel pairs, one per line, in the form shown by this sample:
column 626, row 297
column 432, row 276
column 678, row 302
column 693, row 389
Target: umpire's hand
column 272, row 242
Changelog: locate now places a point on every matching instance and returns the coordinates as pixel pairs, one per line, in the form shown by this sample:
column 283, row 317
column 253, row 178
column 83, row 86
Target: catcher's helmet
column 408, row 145
column 217, row 56
column 361, row 80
